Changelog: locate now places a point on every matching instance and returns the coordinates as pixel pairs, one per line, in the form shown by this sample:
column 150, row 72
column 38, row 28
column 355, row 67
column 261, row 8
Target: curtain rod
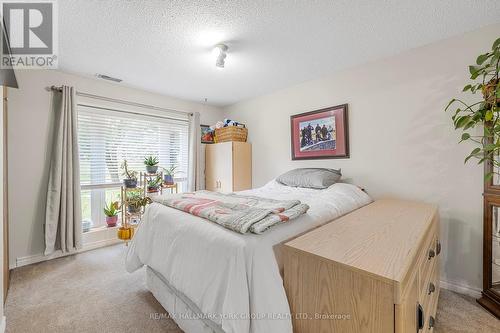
column 108, row 99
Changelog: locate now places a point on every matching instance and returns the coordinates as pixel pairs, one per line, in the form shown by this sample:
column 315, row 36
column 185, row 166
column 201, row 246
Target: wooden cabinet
column 490, row 296
column 374, row 270
column 228, row 166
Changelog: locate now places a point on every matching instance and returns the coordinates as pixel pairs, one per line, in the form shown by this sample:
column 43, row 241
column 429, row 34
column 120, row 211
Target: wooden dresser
column 373, row 270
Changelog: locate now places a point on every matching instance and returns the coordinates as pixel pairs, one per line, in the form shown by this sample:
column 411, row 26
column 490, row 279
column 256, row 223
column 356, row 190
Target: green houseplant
column 154, row 184
column 111, row 211
column 136, row 200
column 151, row 163
column 130, row 180
column 170, row 172
column 485, row 112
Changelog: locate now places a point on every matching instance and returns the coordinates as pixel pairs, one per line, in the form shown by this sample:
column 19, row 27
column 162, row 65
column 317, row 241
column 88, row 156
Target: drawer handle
column 420, row 317
column 438, row 247
column 432, row 288
column 432, row 321
column 432, row 254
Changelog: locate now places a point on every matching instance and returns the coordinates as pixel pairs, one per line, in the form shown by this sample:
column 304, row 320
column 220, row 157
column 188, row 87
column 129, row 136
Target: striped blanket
column 240, row 213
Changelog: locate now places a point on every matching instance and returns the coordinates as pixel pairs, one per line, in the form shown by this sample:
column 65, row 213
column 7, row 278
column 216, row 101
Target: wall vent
column 109, row 78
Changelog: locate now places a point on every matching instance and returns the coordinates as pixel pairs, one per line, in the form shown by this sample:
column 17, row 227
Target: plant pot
column 151, row 168
column 489, row 91
column 130, row 183
column 133, row 209
column 168, row 179
column 152, row 189
column 111, row 220
column 125, row 233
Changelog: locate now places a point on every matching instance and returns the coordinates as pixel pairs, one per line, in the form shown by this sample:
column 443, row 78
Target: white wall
column 402, row 142
column 29, row 137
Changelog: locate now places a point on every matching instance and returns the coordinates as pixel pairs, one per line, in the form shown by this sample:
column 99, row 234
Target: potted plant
column 154, row 184
column 485, row 112
column 168, row 177
column 136, row 201
column 151, row 163
column 130, row 180
column 111, row 211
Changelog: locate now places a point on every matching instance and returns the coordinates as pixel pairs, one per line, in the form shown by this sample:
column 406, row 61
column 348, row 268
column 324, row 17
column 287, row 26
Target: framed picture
column 207, row 135
column 320, row 134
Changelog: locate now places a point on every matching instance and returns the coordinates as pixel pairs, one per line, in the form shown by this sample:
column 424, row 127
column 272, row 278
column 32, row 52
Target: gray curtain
column 195, row 170
column 63, row 222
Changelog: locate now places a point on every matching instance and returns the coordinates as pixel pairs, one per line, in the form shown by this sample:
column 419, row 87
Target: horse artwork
column 320, row 134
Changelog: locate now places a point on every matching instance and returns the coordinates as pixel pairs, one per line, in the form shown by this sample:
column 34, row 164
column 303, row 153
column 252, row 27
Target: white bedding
column 233, row 278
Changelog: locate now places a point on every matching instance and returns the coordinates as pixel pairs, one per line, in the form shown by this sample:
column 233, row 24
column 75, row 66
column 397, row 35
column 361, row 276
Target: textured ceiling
column 165, row 46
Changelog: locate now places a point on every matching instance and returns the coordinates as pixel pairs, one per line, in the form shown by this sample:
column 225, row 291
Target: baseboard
column 461, row 288
column 28, row 260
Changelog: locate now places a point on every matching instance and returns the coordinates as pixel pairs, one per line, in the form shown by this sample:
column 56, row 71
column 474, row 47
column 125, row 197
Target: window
column 107, row 137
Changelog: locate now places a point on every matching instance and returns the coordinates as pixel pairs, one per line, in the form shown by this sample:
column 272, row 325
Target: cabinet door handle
column 432, row 288
column 432, row 321
column 420, row 317
column 438, row 247
column 432, row 254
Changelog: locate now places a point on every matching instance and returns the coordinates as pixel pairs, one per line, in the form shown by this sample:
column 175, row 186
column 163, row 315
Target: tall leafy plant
column 485, row 112
column 129, row 174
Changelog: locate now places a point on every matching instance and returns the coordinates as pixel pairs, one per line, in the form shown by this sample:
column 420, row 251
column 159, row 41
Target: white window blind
column 107, row 137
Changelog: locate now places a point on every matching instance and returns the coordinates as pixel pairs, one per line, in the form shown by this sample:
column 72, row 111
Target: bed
column 211, row 279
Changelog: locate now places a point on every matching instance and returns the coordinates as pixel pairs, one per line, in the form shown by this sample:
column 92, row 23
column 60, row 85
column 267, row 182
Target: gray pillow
column 318, row 178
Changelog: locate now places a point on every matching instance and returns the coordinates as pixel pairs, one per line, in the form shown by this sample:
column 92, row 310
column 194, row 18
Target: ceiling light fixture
column 220, row 52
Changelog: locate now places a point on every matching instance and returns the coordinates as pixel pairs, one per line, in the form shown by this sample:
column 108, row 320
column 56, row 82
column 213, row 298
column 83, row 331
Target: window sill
column 100, row 236
column 101, row 229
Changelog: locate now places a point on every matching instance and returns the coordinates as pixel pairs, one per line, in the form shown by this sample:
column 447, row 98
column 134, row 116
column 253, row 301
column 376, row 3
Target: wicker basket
column 231, row 133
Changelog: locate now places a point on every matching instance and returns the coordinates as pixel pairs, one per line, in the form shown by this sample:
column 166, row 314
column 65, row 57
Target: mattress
column 180, row 309
column 233, row 279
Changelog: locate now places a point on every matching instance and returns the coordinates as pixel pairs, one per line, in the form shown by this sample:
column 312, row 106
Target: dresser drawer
column 429, row 298
column 422, row 263
column 427, row 269
column 428, row 258
column 430, row 321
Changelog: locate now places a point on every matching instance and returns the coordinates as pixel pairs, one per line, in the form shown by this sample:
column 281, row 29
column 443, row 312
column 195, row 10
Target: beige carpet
column 460, row 313
column 92, row 292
